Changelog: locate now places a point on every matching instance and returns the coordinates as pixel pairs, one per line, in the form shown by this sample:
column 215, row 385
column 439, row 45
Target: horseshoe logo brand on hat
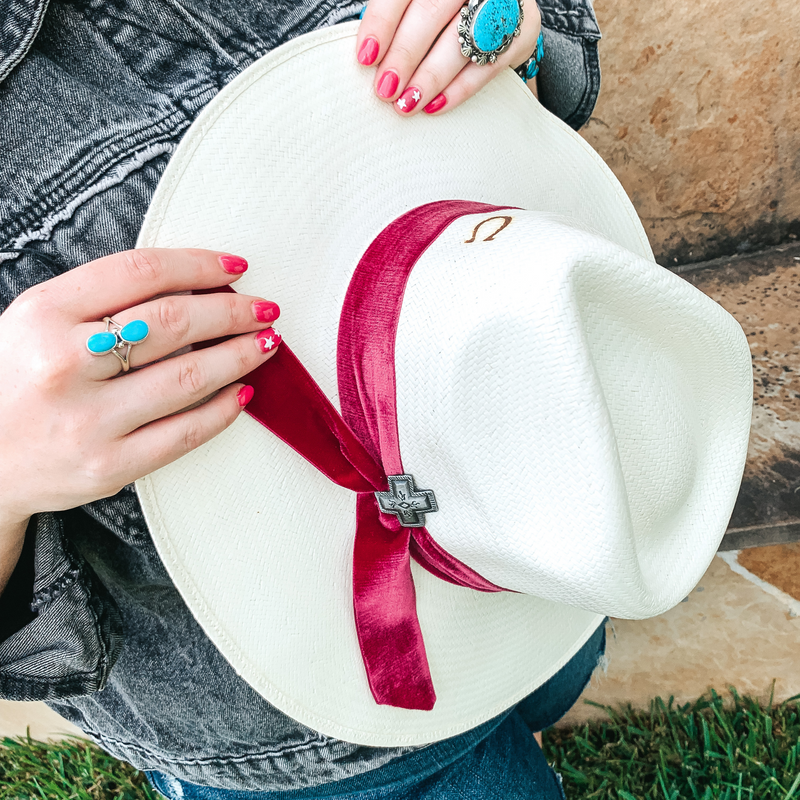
column 506, row 223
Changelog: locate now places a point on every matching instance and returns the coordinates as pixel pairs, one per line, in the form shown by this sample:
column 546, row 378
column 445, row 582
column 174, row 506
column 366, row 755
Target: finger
column 177, row 321
column 467, row 83
column 420, row 26
column 177, row 383
column 380, row 21
column 473, row 77
column 161, row 442
column 108, row 285
column 436, row 72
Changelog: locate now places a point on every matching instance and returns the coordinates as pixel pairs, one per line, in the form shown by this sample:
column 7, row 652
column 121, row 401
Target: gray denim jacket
column 94, row 96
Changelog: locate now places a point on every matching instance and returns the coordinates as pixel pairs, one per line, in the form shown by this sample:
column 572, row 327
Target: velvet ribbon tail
column 385, row 606
column 289, row 402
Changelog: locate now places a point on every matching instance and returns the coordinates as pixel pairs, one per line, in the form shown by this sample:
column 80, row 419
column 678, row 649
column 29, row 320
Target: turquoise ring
column 118, row 339
column 488, row 27
column 530, row 69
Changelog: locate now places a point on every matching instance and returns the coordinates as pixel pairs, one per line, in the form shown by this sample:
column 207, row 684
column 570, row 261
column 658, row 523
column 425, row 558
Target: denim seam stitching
column 265, row 755
column 245, row 55
column 119, row 173
column 102, row 665
column 106, row 157
column 242, row 53
column 555, row 21
column 38, row 688
column 52, row 592
column 46, row 689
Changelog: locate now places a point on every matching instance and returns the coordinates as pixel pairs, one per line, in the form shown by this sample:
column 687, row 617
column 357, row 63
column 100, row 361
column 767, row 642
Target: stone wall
column 699, row 117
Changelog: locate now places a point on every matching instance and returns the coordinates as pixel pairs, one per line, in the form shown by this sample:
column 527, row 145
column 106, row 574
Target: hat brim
column 297, row 166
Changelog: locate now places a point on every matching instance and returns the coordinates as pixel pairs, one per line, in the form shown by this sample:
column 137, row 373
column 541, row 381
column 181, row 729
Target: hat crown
column 549, row 391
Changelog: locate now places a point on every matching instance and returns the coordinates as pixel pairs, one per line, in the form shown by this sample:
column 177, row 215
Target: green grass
column 68, row 770
column 713, row 749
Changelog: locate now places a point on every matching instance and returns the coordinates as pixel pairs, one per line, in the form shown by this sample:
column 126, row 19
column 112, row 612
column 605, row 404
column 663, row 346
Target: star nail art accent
column 409, row 99
column 268, row 340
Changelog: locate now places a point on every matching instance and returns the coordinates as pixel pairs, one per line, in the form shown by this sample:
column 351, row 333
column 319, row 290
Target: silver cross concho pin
column 406, row 501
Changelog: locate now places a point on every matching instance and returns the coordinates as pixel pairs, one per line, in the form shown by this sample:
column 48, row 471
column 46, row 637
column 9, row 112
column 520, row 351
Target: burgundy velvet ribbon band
column 360, row 448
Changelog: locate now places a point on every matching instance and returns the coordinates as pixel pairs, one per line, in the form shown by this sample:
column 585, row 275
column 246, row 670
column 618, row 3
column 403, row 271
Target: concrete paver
column 730, row 631
column 44, row 724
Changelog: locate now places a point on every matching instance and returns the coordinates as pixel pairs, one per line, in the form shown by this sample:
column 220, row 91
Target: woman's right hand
column 415, row 45
column 72, row 428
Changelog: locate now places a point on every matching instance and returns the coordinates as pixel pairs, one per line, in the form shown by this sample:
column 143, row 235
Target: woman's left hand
column 414, row 44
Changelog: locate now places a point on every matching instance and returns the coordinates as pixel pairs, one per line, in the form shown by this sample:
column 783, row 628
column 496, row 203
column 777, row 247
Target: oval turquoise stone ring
column 134, row 332
column 118, row 339
column 488, row 27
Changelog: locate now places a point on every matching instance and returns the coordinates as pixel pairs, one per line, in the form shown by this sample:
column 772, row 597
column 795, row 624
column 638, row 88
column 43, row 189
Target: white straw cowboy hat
column 580, row 414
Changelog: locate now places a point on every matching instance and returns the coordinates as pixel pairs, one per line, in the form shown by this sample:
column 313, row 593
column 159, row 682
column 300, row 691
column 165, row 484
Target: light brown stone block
column 778, row 565
column 729, row 632
column 699, row 117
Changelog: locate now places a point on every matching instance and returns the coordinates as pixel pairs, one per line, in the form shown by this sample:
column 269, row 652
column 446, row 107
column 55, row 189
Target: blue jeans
column 499, row 760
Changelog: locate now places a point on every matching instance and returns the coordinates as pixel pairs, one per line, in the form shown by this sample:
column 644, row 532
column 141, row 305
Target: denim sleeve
column 71, row 642
column 569, row 78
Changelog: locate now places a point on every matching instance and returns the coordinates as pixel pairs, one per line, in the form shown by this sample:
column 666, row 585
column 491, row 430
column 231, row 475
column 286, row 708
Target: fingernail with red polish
column 245, row 395
column 233, row 265
column 266, row 310
column 409, row 99
column 268, row 340
column 387, row 85
column 438, row 103
column 369, row 51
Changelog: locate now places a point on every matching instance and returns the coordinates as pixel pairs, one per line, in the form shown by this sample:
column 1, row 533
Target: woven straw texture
column 581, row 414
